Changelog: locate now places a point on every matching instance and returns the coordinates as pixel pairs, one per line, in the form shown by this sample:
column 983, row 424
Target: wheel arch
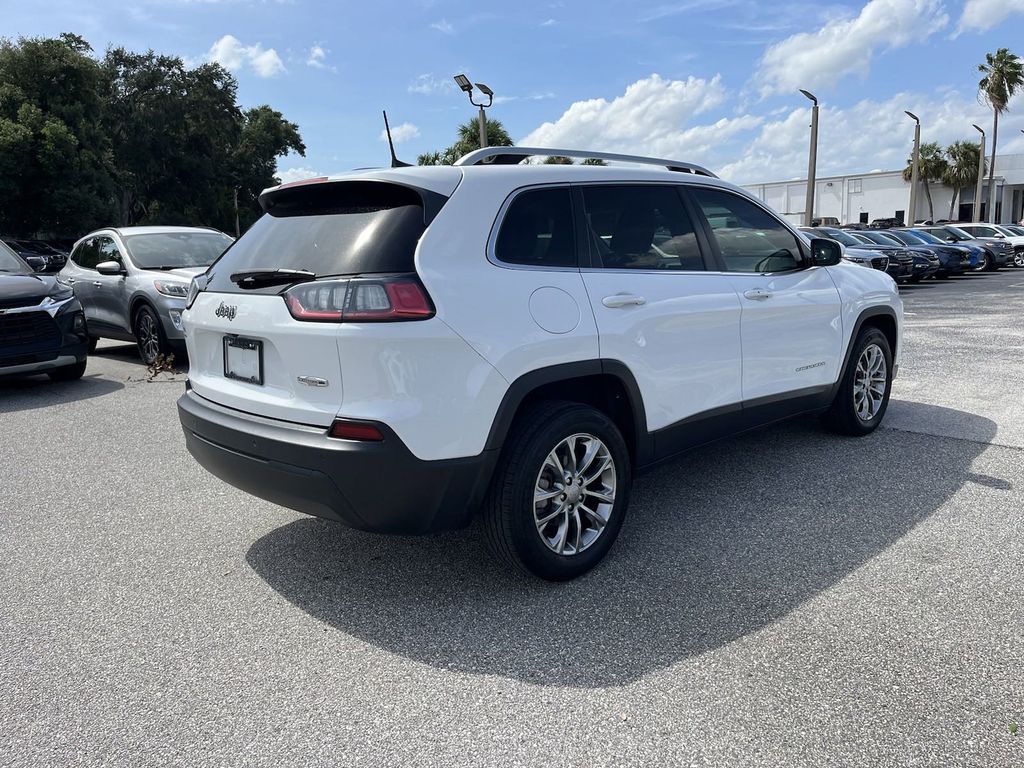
column 882, row 317
column 607, row 385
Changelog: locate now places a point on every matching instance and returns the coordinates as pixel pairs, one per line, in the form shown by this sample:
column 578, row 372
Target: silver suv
column 132, row 282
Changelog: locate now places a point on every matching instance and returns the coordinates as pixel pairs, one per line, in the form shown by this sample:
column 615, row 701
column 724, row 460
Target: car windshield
column 840, row 237
column 908, row 238
column 928, row 237
column 957, row 234
column 881, row 238
column 1008, row 231
column 171, row 250
column 11, row 263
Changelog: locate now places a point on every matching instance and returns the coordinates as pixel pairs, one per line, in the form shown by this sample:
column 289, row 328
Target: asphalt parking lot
column 782, row 598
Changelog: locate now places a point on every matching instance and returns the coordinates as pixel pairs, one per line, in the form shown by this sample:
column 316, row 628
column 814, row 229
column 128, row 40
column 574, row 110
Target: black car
column 926, row 261
column 901, row 263
column 42, row 325
column 953, row 259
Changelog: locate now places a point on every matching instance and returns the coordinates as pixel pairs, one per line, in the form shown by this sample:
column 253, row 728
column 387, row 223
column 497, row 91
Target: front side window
column 107, row 250
column 87, row 254
column 640, row 227
column 748, row 237
column 11, row 263
column 538, row 230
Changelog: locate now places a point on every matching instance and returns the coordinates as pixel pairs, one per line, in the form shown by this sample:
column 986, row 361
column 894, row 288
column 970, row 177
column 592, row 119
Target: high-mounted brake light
column 367, row 300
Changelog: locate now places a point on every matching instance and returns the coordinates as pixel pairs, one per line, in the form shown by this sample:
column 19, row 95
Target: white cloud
column 845, row 46
column 317, row 58
column 867, row 135
column 296, row 174
column 231, row 54
column 400, row 133
column 985, row 14
column 649, row 118
column 428, row 84
column 532, row 97
column 548, row 23
column 443, row 26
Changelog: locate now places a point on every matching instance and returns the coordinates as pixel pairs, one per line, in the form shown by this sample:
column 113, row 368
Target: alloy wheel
column 1018, row 259
column 574, row 494
column 869, row 382
column 149, row 339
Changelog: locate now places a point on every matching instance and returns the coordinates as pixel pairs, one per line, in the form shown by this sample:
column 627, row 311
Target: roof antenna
column 395, row 162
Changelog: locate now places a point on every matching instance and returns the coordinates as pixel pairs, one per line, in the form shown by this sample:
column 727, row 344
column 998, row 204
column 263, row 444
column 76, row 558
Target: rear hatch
column 256, row 348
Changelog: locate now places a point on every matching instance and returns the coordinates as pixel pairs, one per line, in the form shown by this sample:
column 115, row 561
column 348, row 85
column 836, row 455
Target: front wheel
column 150, row 335
column 863, row 395
column 68, row 372
column 1018, row 258
column 984, row 263
column 560, row 491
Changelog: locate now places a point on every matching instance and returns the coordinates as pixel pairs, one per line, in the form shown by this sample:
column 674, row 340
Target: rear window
column 334, row 228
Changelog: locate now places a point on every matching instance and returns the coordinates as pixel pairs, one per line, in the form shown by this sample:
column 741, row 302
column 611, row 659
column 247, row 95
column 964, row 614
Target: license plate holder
column 243, row 360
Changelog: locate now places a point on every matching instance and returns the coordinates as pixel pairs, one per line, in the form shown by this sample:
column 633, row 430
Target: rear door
column 791, row 327
column 659, row 310
column 246, row 350
column 80, row 273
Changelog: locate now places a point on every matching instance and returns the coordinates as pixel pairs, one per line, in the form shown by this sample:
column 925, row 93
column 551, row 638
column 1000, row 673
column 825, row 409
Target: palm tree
column 961, row 170
column 467, row 139
column 1004, row 74
column 558, row 160
column 931, row 167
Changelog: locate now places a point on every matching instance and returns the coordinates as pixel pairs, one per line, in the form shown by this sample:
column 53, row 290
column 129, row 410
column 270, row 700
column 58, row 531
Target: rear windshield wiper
column 258, row 278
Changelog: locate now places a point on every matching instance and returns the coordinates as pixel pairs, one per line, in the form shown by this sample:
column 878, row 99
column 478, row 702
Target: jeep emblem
column 226, row 310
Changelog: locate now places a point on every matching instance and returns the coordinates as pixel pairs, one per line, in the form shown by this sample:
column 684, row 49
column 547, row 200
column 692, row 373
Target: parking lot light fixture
column 812, row 159
column 914, row 170
column 981, row 175
column 463, row 82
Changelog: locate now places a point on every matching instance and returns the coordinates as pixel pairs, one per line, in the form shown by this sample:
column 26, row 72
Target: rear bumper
column 372, row 486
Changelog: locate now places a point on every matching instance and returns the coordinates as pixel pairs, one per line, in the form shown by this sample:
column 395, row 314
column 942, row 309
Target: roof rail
column 514, row 155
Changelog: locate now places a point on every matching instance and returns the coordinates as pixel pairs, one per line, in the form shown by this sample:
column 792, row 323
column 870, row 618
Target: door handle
column 98, row 284
column 623, row 300
column 71, row 281
column 757, row 294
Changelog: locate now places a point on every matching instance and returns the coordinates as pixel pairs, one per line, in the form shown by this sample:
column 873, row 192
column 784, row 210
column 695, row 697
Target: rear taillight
column 360, row 300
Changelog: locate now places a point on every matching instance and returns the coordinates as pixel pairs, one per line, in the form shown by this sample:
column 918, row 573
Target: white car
column 399, row 349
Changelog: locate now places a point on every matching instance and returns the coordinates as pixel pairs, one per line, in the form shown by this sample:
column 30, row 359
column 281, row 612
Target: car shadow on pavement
column 718, row 545
column 28, row 392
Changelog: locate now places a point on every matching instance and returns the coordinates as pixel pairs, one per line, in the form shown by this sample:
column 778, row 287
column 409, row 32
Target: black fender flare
column 530, row 381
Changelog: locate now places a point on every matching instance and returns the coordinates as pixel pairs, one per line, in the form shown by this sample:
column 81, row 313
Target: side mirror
column 950, row 239
column 825, row 252
column 110, row 268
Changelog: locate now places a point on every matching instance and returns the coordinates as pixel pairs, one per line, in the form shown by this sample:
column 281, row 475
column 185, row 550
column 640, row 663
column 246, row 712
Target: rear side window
column 640, row 227
column 333, row 228
column 748, row 237
column 538, row 230
column 87, row 254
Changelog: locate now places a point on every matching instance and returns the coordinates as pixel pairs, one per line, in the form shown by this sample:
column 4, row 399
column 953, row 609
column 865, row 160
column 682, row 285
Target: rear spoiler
column 323, row 196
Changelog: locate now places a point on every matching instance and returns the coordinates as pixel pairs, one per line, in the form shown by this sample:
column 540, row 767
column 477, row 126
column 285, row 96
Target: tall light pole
column 463, row 82
column 812, row 160
column 981, row 176
column 912, row 214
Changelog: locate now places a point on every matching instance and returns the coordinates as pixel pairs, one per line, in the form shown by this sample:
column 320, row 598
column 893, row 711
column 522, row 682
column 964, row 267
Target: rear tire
column 149, row 334
column 556, row 518
column 68, row 372
column 863, row 395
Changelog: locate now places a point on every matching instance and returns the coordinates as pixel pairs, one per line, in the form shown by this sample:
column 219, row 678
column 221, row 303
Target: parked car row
column 913, row 254
column 126, row 283
column 38, row 254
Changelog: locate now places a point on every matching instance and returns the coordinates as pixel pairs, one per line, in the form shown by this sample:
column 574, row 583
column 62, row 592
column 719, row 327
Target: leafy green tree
column 558, row 160
column 468, row 139
column 265, row 136
column 1003, row 75
column 931, row 167
column 593, row 161
column 54, row 158
column 961, row 169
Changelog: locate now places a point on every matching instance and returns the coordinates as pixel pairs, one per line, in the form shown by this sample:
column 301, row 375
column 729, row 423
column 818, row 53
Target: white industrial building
column 864, row 197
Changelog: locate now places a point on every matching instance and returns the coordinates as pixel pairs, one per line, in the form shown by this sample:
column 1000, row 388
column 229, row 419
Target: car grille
column 880, row 262
column 904, row 257
column 29, row 301
column 23, row 330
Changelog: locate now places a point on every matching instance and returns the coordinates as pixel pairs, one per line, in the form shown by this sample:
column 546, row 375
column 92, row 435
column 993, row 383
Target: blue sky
column 711, row 81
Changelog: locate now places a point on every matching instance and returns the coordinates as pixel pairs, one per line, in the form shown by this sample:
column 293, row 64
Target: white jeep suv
column 398, row 349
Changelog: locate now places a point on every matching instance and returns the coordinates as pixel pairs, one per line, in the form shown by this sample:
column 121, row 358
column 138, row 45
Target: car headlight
column 856, row 259
column 62, row 293
column 171, row 288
